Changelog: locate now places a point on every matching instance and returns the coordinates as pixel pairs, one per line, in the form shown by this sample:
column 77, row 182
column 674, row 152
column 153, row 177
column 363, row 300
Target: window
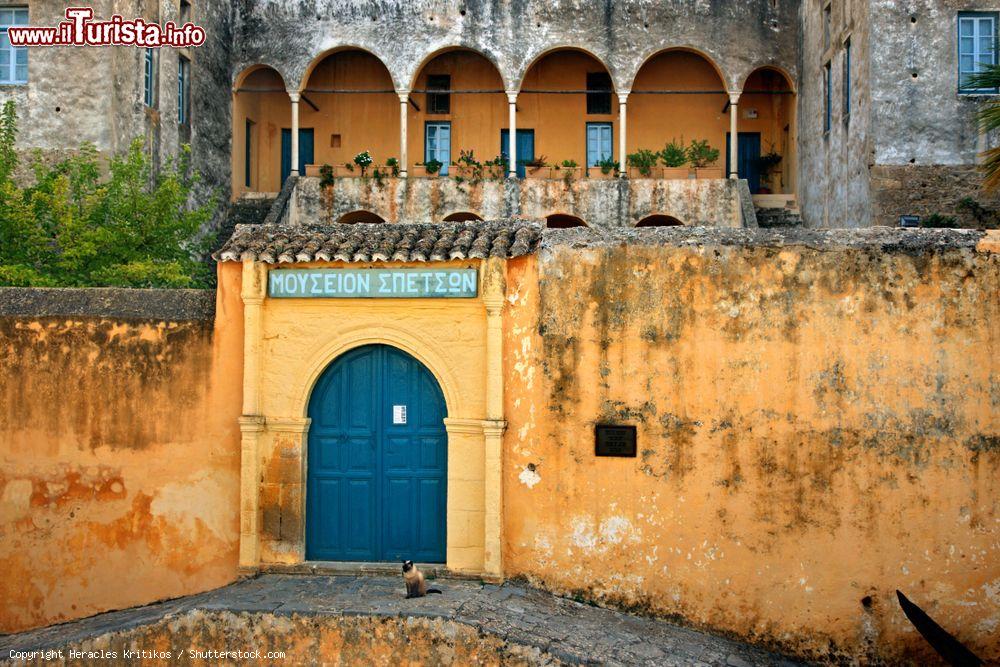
column 827, row 99
column 977, row 47
column 437, row 145
column 185, row 14
column 599, row 143
column 13, row 60
column 598, row 101
column 183, row 90
column 247, row 162
column 149, row 81
column 438, row 102
column 827, row 25
column 847, row 81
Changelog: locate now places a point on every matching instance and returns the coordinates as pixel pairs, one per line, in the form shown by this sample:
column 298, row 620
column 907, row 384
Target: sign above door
column 373, row 283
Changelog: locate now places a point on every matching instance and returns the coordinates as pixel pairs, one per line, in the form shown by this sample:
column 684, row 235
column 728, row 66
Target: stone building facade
column 867, row 130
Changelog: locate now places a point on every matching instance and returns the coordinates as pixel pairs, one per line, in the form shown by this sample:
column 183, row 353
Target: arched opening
column 261, row 109
column 566, row 110
column 767, row 109
column 348, row 102
column 360, row 217
column 563, row 221
column 377, row 472
column 462, row 216
column 679, row 96
column 659, row 221
column 457, row 104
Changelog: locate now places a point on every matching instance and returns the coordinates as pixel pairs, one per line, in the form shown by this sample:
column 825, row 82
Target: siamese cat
column 416, row 586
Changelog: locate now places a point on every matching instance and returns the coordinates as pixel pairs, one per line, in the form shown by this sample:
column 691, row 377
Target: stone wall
column 119, row 449
column 599, row 203
column 818, row 421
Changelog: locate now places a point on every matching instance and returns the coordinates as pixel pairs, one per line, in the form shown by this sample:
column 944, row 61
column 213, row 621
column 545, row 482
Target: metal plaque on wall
column 619, row 441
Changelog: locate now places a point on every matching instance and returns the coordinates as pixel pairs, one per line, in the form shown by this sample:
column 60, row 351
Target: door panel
column 306, row 145
column 377, row 482
column 748, row 160
column 525, row 148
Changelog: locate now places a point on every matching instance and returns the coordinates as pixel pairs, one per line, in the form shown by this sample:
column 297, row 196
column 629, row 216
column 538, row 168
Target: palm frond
column 987, row 79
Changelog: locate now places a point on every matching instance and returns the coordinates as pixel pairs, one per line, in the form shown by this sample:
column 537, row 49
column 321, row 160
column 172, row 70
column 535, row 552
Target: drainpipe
column 734, row 135
column 622, row 116
column 404, row 105
column 512, row 134
column 295, row 132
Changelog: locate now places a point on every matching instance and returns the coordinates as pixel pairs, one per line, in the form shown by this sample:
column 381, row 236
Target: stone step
column 770, row 218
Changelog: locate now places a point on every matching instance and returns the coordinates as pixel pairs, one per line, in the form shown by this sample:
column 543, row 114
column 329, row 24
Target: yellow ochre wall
column 270, row 112
column 816, row 428
column 119, row 462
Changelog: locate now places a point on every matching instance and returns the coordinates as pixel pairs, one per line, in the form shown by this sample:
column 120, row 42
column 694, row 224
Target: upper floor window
column 183, row 90
column 13, row 60
column 977, row 47
column 827, row 99
column 439, row 102
column 847, row 81
column 149, row 78
column 827, row 25
column 185, row 13
column 598, row 93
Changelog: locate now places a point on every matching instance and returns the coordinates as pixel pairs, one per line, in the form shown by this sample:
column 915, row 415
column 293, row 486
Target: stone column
column 512, row 134
column 283, row 497
column 295, row 133
column 734, row 135
column 493, row 427
column 252, row 292
column 404, row 107
column 622, row 123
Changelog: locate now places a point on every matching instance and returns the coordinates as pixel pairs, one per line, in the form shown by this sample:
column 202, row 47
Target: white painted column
column 622, row 132
column 404, row 107
column 512, row 134
column 295, row 132
column 734, row 134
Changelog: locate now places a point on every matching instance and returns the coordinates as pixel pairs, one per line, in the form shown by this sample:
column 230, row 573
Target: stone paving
column 571, row 632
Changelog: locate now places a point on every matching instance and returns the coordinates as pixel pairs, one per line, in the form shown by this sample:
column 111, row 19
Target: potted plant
column 392, row 166
column 642, row 164
column 325, row 176
column 702, row 156
column 568, row 170
column 537, row 168
column 604, row 169
column 496, row 168
column 467, row 167
column 675, row 156
column 364, row 160
column 433, row 168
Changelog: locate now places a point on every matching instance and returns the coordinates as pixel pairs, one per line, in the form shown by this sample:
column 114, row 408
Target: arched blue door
column 378, row 458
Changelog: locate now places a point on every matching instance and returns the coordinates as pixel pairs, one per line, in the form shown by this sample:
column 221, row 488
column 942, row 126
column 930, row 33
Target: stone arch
column 712, row 58
column 785, row 74
column 306, row 68
column 412, row 74
column 260, row 109
column 521, row 72
column 564, row 221
column 360, row 216
column 462, row 216
column 659, row 220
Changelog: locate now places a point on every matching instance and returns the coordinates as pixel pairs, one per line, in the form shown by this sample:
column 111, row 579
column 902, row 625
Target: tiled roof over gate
column 279, row 244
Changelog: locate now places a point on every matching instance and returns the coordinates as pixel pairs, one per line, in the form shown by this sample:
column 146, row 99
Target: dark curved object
column 947, row 646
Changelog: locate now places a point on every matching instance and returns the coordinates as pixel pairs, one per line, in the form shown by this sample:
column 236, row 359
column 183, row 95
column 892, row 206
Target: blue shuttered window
column 183, row 90
column 977, row 47
column 149, row 78
column 13, row 60
column 437, row 145
column 599, row 143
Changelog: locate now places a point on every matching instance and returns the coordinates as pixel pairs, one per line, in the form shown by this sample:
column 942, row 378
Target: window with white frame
column 149, row 78
column 13, row 60
column 977, row 47
column 183, row 90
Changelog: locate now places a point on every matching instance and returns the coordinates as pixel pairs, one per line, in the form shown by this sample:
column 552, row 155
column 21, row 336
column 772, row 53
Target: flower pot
column 597, row 173
column 312, row 170
column 652, row 172
column 566, row 173
column 493, row 172
column 677, row 173
column 708, row 172
column 421, row 171
column 537, row 171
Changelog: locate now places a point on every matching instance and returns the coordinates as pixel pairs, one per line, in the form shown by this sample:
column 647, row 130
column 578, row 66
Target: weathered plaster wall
column 119, row 450
column 834, row 180
column 599, row 203
column 818, row 425
column 925, row 137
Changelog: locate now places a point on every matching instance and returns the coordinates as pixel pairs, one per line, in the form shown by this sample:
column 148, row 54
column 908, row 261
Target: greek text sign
column 373, row 283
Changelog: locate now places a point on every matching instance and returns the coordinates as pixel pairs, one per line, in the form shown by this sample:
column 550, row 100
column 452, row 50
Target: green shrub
column 73, row 228
column 644, row 160
column 939, row 221
column 607, row 165
column 674, row 155
column 701, row 154
column 433, row 166
column 325, row 176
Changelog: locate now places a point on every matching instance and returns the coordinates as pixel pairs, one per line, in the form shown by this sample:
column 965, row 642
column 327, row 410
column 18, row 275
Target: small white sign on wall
column 399, row 414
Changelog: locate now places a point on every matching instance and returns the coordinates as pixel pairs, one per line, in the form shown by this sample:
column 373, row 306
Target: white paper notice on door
column 399, row 414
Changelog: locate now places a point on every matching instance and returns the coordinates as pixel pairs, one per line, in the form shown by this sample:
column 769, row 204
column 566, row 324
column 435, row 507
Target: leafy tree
column 989, row 121
column 73, row 227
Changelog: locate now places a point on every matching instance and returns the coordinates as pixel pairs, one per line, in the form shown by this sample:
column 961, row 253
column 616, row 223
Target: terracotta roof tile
column 287, row 244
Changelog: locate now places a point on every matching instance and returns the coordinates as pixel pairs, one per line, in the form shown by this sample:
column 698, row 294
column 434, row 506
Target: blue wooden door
column 748, row 160
column 525, row 148
column 378, row 460
column 306, row 145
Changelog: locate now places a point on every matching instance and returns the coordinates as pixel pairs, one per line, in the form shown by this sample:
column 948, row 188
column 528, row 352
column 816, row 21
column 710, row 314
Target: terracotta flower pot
column 677, row 173
column 652, row 172
column 597, row 173
column 708, row 172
